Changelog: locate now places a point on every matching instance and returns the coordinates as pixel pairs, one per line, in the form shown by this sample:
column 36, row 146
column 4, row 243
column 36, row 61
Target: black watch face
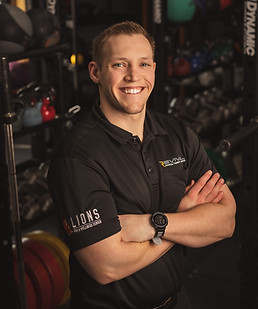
column 160, row 220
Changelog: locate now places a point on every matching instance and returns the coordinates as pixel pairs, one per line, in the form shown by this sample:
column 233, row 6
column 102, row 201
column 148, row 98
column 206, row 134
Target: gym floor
column 212, row 275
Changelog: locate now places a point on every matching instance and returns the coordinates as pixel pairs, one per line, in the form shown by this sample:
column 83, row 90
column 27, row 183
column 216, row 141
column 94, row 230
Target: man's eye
column 119, row 65
column 145, row 64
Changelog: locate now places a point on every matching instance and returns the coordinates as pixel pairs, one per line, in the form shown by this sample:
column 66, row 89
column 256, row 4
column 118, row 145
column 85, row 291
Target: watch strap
column 157, row 240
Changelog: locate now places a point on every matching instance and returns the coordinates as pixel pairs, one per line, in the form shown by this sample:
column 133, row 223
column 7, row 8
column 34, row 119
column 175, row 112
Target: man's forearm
column 203, row 224
column 113, row 259
column 200, row 226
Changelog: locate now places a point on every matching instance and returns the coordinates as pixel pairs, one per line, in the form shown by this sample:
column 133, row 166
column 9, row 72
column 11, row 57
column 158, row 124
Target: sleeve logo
column 82, row 221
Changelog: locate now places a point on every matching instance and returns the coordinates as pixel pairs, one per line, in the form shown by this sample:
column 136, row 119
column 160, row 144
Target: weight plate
column 52, row 266
column 39, row 276
column 61, row 250
column 32, row 300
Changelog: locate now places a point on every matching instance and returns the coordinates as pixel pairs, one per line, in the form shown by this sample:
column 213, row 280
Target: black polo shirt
column 100, row 171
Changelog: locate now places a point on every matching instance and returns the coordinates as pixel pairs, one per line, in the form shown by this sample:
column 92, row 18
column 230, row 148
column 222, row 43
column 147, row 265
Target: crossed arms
column 205, row 215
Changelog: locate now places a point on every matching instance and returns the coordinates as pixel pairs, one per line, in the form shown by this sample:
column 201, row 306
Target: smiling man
column 125, row 76
column 133, row 187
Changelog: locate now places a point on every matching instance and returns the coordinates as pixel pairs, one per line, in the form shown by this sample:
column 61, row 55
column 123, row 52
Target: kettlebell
column 180, row 10
column 47, row 109
column 224, row 4
column 181, row 67
column 32, row 113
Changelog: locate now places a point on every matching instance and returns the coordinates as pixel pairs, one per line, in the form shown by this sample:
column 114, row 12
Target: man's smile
column 133, row 90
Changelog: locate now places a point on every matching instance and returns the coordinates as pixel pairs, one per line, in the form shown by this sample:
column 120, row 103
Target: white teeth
column 132, row 91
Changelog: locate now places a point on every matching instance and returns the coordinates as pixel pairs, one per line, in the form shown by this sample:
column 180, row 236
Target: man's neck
column 128, row 122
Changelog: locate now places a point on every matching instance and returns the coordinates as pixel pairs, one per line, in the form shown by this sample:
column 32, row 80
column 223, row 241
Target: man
column 133, row 187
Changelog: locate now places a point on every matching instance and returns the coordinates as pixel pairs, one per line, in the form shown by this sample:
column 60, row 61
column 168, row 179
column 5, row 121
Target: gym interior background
column 206, row 75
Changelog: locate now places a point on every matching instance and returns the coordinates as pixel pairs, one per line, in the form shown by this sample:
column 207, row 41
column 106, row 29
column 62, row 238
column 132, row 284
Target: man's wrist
column 159, row 221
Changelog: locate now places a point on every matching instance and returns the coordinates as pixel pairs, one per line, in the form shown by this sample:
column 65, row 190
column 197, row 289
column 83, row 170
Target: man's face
column 127, row 74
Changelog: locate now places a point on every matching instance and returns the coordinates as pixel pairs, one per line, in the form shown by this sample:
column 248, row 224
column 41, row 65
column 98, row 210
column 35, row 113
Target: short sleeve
column 83, row 199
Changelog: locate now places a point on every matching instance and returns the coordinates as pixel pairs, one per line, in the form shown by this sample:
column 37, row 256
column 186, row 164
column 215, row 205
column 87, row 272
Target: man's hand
column 207, row 189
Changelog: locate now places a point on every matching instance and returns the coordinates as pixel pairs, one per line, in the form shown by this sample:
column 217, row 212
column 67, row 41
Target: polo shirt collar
column 151, row 126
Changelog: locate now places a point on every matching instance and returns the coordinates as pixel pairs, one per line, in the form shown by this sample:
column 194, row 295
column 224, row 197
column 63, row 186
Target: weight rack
column 247, row 137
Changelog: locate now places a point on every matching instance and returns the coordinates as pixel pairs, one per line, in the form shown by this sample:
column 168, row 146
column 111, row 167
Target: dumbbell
column 206, row 79
column 212, row 98
column 29, row 207
column 215, row 112
column 180, row 108
column 233, row 105
column 45, row 202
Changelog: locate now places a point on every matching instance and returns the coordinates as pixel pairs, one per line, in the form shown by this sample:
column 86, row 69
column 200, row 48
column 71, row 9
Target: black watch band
column 159, row 221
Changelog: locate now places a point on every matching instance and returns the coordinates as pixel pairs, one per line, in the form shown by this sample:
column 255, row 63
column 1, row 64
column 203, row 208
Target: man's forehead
column 119, row 46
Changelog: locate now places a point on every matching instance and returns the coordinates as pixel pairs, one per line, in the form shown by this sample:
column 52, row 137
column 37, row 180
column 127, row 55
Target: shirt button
column 150, row 169
column 135, row 139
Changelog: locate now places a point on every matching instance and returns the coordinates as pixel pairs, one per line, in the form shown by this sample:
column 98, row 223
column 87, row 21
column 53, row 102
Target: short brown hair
column 126, row 27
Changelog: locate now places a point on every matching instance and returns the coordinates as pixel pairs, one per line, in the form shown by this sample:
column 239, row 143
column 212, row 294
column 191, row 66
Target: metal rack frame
column 249, row 211
column 9, row 203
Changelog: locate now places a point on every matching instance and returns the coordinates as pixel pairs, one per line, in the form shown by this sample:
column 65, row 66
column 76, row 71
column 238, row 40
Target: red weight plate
column 40, row 278
column 61, row 250
column 31, row 293
column 52, row 266
column 52, row 245
column 30, row 289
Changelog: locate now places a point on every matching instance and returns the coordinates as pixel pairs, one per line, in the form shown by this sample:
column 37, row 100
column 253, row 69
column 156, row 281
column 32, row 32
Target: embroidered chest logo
column 82, row 221
column 171, row 162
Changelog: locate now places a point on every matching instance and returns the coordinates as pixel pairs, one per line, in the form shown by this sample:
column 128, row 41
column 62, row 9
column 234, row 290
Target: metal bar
column 158, row 97
column 39, row 52
column 238, row 137
column 249, row 197
column 8, row 118
column 15, row 214
column 75, row 52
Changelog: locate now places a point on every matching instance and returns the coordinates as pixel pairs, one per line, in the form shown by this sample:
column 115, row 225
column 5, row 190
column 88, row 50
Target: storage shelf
column 33, row 129
column 38, row 52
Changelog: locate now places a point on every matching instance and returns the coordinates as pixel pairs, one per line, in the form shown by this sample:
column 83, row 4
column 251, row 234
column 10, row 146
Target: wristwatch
column 159, row 221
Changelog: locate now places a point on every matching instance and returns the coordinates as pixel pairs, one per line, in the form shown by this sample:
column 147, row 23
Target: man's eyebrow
column 126, row 59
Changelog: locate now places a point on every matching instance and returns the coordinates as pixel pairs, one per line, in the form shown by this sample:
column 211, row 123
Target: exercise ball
column 46, row 28
column 181, row 10
column 15, row 29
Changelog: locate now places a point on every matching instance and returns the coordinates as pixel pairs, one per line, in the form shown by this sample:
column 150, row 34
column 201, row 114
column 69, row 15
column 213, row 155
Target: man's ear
column 94, row 72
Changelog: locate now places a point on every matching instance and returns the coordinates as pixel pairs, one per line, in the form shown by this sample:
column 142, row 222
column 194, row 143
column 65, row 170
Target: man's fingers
column 190, row 186
column 200, row 183
column 216, row 189
column 210, row 185
column 218, row 197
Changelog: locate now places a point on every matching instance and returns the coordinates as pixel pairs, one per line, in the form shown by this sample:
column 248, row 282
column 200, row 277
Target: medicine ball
column 19, row 73
column 15, row 29
column 46, row 28
column 181, row 10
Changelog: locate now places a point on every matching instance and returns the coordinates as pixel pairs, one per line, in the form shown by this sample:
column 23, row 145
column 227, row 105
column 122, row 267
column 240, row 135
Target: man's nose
column 132, row 73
